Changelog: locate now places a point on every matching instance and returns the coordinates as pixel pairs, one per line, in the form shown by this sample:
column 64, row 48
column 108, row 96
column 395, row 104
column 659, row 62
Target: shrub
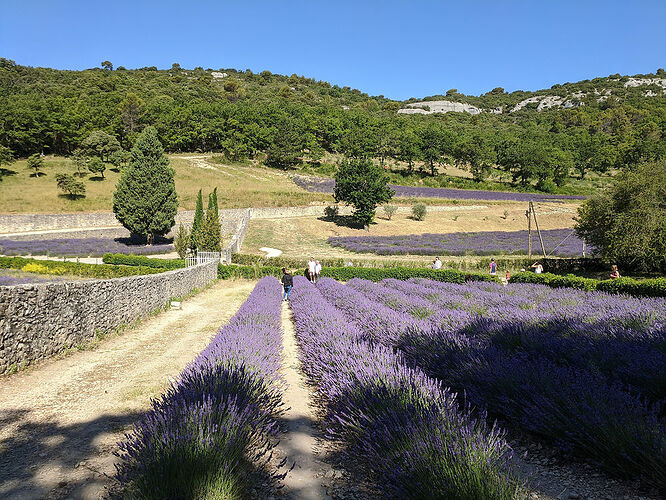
column 140, row 260
column 78, row 269
column 71, row 186
column 419, row 211
column 182, row 241
column 331, row 212
column 389, row 210
column 655, row 287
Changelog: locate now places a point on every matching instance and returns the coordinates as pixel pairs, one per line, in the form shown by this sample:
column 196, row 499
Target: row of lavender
column 582, row 370
column 561, row 242
column 327, row 185
column 399, row 425
column 81, row 247
column 203, row 435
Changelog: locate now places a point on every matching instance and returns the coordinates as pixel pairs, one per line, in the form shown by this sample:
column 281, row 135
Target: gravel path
column 60, row 421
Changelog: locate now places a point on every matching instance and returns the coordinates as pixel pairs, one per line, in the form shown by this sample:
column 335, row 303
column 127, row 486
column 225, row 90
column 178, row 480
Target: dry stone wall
column 40, row 320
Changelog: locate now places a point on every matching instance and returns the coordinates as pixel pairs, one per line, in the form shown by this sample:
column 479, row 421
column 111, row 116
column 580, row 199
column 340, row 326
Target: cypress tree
column 210, row 234
column 145, row 200
column 197, row 223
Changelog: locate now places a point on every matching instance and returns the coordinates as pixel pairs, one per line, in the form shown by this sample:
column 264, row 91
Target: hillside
column 539, row 140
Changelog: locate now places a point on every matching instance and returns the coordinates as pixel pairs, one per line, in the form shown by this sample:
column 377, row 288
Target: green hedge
column 142, row 260
column 368, row 273
column 655, row 287
column 403, row 273
column 78, row 269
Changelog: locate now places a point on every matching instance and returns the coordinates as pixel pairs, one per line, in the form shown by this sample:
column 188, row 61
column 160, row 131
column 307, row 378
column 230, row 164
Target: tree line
column 285, row 120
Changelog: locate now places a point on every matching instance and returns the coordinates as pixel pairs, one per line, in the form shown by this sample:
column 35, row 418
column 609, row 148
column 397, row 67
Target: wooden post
column 529, row 230
column 536, row 223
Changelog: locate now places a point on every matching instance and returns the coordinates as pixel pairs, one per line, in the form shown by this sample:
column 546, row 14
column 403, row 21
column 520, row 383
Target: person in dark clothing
column 287, row 283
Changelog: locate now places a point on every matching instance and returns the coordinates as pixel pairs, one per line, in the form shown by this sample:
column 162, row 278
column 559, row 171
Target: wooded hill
column 596, row 125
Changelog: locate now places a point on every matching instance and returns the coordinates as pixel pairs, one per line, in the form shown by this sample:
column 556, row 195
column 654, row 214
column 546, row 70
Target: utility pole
column 528, row 214
column 536, row 223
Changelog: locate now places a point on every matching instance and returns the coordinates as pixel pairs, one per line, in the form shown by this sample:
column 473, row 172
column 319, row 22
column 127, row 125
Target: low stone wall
column 40, row 320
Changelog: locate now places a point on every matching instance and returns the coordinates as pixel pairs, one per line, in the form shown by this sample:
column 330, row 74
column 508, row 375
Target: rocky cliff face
column 542, row 101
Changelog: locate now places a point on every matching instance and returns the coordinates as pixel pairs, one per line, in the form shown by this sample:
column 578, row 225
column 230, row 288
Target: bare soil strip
column 60, row 421
column 299, row 443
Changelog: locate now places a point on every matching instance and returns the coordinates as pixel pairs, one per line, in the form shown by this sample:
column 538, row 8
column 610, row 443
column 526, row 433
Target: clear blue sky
column 398, row 49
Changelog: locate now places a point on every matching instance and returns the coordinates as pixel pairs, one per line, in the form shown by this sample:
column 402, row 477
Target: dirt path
column 60, row 422
column 299, row 443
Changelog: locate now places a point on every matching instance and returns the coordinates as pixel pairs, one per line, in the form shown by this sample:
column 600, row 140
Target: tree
column 100, row 144
column 283, row 152
column 36, row 162
column 181, row 241
column 197, row 223
column 626, row 223
column 360, row 183
column 6, row 156
column 478, row 154
column 419, row 211
column 210, row 239
column 131, row 110
column 107, row 65
column 80, row 161
column 145, row 200
column 73, row 187
column 96, row 166
column 119, row 158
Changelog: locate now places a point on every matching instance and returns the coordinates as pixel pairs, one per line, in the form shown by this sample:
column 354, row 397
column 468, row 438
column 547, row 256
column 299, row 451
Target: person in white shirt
column 538, row 268
column 312, row 267
column 317, row 271
column 437, row 264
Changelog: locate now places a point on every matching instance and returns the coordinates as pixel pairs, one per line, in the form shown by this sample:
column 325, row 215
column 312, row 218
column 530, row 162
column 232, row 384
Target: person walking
column 312, row 266
column 615, row 274
column 493, row 267
column 317, row 271
column 287, row 283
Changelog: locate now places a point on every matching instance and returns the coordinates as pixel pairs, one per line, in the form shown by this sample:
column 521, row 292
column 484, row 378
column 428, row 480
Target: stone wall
column 18, row 223
column 40, row 320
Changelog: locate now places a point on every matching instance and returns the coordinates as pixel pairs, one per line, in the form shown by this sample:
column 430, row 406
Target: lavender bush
column 574, row 367
column 327, row 185
column 557, row 242
column 401, row 426
column 81, row 247
column 23, row 279
column 200, row 436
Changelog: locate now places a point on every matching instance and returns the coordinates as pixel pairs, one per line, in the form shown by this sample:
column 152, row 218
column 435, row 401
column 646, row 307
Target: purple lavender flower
column 80, row 247
column 402, row 427
column 327, row 185
column 560, row 242
column 197, row 438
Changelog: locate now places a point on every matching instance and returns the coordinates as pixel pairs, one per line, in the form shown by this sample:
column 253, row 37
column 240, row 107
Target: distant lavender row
column 80, row 247
column 23, row 279
column 199, row 436
column 574, row 367
column 327, row 185
column 559, row 242
column 396, row 423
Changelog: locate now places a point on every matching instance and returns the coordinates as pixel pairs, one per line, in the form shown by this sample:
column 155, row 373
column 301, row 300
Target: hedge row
column 655, row 287
column 141, row 260
column 76, row 268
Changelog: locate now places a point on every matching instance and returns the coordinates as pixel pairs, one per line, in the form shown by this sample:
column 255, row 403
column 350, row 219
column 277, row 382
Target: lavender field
column 207, row 433
column 560, row 242
column 580, row 371
column 327, row 185
column 80, row 247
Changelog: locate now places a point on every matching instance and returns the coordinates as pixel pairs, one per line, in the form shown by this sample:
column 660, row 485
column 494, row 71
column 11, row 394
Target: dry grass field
column 307, row 236
column 238, row 186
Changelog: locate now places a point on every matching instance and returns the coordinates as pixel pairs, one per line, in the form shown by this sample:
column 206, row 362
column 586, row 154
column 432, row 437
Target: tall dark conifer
column 145, row 200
